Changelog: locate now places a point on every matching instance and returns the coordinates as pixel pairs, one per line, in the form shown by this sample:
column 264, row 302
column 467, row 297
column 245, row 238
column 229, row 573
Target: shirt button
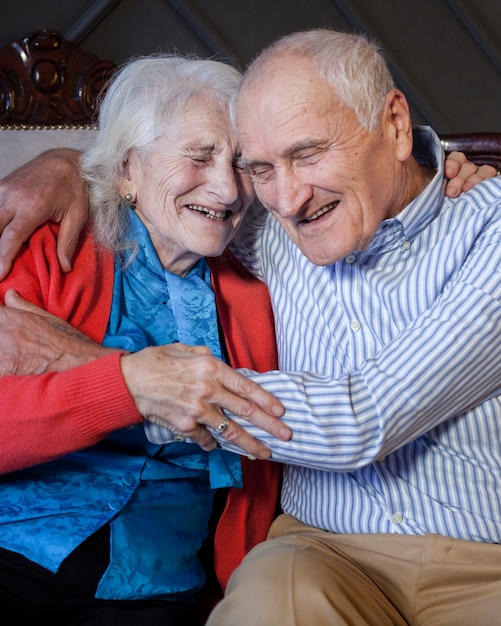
column 397, row 518
column 350, row 258
column 128, row 479
column 406, row 245
column 355, row 325
column 178, row 437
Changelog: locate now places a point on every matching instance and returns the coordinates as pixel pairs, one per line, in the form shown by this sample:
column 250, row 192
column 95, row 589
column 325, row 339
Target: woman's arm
column 69, row 392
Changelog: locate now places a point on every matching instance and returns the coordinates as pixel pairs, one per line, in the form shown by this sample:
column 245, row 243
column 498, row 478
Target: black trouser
column 30, row 594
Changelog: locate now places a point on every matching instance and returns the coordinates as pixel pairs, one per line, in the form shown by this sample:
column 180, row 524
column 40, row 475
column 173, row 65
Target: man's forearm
column 33, row 341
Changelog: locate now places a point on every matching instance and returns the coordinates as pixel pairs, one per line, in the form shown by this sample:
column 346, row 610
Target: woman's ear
column 130, row 165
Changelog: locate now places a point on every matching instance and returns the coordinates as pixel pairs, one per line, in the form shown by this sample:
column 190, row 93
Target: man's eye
column 260, row 172
column 308, row 158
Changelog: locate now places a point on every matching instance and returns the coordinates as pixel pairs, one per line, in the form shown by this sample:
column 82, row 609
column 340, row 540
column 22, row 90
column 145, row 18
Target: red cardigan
column 79, row 407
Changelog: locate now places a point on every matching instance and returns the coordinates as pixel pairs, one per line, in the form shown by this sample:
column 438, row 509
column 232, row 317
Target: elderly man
column 391, row 294
column 387, row 305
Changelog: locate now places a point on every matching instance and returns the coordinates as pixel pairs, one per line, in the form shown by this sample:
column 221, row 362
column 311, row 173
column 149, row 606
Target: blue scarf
column 151, row 306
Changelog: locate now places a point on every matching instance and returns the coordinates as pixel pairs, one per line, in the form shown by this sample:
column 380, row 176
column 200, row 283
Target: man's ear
column 399, row 123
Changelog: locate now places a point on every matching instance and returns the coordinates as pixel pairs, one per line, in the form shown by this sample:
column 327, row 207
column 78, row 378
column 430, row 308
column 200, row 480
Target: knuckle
column 12, row 232
column 233, row 432
column 457, row 156
column 188, row 428
column 196, row 410
column 204, row 390
column 193, row 432
column 72, row 241
column 468, row 168
column 245, row 385
column 246, row 410
column 205, row 364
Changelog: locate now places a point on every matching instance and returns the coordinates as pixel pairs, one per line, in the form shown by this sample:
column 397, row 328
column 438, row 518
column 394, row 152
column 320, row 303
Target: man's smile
column 322, row 211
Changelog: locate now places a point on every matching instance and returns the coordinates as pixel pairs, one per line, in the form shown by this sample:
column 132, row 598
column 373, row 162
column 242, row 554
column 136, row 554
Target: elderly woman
column 111, row 532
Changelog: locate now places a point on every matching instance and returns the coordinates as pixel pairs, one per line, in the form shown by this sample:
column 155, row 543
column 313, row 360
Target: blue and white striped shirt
column 390, row 369
column 399, row 428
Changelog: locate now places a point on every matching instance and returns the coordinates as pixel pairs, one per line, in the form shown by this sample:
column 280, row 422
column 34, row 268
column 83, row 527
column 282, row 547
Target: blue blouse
column 157, row 499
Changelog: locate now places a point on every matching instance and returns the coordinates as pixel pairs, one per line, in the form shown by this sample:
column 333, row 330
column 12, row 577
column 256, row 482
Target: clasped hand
column 180, row 387
column 185, row 389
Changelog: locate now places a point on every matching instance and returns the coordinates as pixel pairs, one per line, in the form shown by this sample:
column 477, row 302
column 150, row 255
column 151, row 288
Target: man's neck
column 415, row 178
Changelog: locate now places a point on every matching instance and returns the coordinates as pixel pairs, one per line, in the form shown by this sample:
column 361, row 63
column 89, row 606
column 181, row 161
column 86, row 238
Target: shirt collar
column 427, row 150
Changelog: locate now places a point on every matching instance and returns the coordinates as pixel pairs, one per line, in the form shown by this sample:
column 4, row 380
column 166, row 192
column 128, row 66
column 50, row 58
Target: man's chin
column 318, row 256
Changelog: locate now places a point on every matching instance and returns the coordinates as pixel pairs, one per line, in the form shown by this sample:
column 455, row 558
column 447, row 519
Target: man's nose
column 291, row 192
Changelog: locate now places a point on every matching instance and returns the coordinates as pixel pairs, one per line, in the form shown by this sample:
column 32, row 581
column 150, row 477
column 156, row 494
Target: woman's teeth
column 209, row 213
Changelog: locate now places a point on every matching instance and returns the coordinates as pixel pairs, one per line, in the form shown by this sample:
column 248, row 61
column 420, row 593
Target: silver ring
column 223, row 426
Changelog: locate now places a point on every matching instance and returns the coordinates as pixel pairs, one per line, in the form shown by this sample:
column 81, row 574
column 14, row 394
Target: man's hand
column 185, row 389
column 47, row 188
column 33, row 341
column 463, row 174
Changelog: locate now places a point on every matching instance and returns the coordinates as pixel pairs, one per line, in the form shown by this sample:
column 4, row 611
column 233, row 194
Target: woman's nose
column 225, row 185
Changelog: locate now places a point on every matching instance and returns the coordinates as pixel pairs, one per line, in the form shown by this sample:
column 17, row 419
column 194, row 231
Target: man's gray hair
column 353, row 64
column 143, row 100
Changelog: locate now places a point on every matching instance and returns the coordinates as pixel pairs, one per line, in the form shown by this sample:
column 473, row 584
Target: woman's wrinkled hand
column 185, row 389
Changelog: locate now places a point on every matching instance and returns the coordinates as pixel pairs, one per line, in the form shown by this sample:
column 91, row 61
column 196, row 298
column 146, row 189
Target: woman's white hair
column 142, row 100
column 353, row 64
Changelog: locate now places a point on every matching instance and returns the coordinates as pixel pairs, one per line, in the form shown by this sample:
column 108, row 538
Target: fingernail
column 278, row 410
column 285, row 433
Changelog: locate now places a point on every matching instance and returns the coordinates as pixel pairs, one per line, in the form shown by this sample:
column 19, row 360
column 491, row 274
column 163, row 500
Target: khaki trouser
column 303, row 576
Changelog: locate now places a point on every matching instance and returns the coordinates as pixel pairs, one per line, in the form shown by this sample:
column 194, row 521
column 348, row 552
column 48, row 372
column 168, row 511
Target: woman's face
column 189, row 192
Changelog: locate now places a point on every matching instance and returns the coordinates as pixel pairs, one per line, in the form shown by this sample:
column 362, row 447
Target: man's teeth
column 209, row 213
column 322, row 211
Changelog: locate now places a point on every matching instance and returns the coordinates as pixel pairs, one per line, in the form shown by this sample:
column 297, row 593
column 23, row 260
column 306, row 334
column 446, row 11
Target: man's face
column 327, row 180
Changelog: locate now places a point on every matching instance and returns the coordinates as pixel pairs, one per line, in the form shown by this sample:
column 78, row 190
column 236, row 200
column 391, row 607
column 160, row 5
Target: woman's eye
column 238, row 164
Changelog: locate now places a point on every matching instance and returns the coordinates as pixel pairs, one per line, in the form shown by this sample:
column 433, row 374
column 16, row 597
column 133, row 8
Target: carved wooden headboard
column 46, row 80
column 49, row 91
